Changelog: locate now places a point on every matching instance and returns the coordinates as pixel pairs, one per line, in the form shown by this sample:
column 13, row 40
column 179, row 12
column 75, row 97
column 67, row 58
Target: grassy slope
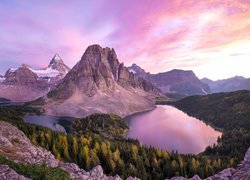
column 35, row 171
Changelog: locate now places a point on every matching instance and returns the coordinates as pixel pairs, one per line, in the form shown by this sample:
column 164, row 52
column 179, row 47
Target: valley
column 101, row 139
column 132, row 123
column 125, row 90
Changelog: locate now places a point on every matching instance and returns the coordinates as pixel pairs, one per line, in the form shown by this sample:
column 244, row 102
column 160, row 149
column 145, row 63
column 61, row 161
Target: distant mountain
column 227, row 85
column 25, row 83
column 1, row 78
column 175, row 81
column 56, row 69
column 99, row 83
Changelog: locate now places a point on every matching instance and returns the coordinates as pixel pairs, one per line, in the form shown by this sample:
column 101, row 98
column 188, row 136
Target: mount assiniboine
column 26, row 84
column 98, row 83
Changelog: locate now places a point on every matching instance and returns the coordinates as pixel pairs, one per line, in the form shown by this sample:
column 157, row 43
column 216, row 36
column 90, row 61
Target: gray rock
column 6, row 173
column 178, row 178
column 96, row 171
column 195, row 177
column 132, row 178
column 224, row 174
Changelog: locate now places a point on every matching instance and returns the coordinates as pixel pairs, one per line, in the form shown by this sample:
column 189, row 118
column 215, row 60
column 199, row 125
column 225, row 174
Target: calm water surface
column 61, row 124
column 168, row 128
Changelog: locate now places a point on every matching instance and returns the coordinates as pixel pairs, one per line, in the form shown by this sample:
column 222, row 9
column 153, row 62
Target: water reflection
column 169, row 128
column 61, row 124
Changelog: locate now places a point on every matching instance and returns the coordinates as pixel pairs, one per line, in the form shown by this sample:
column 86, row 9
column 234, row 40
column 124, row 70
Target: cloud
column 158, row 35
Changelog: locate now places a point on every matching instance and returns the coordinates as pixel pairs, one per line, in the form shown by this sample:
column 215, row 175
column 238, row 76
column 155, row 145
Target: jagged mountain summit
column 174, row 81
column 98, row 83
column 57, row 64
column 55, row 70
column 228, row 85
column 26, row 84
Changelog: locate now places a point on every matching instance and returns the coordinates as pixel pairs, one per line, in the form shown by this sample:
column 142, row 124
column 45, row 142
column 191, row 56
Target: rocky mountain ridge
column 26, row 84
column 174, row 81
column 99, row 83
column 227, row 85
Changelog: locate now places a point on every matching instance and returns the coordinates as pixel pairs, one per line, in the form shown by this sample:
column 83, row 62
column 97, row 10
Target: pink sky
column 210, row 37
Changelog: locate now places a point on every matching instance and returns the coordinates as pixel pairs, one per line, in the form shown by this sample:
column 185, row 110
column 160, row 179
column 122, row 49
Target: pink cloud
column 158, row 35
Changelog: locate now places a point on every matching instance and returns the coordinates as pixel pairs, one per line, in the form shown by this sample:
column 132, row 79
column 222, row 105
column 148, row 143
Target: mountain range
column 100, row 83
column 228, row 85
column 175, row 81
column 26, row 84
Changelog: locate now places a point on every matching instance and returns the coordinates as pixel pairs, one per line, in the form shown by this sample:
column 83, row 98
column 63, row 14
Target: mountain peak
column 56, row 59
column 57, row 64
column 97, row 83
column 94, row 47
column 135, row 69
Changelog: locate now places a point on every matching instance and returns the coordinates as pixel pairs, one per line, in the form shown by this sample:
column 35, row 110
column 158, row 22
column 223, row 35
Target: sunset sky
column 210, row 37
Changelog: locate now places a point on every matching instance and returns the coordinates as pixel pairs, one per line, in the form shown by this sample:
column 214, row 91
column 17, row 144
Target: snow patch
column 48, row 72
column 2, row 79
column 204, row 91
column 57, row 57
column 132, row 71
column 12, row 69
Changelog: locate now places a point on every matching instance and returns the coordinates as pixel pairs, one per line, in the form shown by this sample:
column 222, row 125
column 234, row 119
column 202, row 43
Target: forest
column 99, row 139
column 228, row 112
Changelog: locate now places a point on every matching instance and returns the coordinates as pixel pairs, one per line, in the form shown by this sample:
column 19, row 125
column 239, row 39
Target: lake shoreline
column 169, row 128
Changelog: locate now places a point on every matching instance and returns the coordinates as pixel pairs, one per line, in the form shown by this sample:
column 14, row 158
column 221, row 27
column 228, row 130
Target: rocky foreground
column 15, row 146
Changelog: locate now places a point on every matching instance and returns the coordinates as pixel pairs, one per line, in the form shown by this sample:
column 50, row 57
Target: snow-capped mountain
column 25, row 83
column 56, row 69
column 57, row 64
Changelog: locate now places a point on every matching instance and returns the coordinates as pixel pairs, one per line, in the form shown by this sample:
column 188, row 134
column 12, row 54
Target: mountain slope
column 56, row 69
column 18, row 149
column 175, row 81
column 228, row 85
column 22, row 85
column 1, row 78
column 99, row 83
column 26, row 84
